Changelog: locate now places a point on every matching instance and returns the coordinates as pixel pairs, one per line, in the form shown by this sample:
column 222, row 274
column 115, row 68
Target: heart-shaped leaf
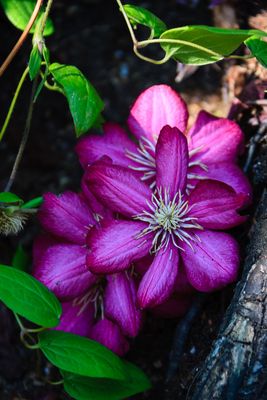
column 201, row 44
column 84, row 102
column 258, row 48
column 8, row 198
column 81, row 356
column 139, row 15
column 19, row 14
column 28, row 297
column 84, row 388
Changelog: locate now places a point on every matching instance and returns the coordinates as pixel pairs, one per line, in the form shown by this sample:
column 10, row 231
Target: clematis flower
column 107, row 313
column 214, row 143
column 98, row 307
column 167, row 222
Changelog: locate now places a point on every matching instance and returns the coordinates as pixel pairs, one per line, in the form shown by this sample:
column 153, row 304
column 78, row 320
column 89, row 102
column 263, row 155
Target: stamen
column 169, row 220
column 145, row 158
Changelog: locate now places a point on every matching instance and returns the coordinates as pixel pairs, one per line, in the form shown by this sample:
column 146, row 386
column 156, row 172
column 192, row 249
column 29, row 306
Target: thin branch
column 24, row 139
column 22, row 38
column 13, row 103
column 46, row 14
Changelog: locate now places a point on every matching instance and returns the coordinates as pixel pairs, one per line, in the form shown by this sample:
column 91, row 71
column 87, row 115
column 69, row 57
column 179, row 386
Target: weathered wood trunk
column 236, row 367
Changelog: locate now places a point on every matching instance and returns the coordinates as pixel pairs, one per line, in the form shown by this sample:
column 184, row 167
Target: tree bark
column 236, row 367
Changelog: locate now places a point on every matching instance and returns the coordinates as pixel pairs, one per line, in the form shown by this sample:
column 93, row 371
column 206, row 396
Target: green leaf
column 10, row 199
column 84, row 102
column 258, row 48
column 34, row 62
column 19, row 13
column 201, row 44
column 20, row 259
column 139, row 15
column 34, row 203
column 81, row 356
column 84, row 388
column 28, row 297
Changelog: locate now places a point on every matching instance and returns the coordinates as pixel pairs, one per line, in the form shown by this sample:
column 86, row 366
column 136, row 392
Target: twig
column 24, row 139
column 13, row 103
column 22, row 38
column 181, row 333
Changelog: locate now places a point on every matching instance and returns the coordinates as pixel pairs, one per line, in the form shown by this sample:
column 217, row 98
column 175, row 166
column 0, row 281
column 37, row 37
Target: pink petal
column 154, row 108
column 115, row 245
column 158, row 282
column 118, row 188
column 66, row 216
column 218, row 141
column 215, row 205
column 202, row 119
column 176, row 306
column 109, row 334
column 62, row 267
column 228, row 173
column 114, row 143
column 213, row 262
column 120, row 303
column 171, row 160
column 76, row 318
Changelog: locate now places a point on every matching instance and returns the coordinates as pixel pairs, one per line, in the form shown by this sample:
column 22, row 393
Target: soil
column 91, row 35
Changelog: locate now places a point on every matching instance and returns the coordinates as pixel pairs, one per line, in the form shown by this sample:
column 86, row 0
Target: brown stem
column 22, row 38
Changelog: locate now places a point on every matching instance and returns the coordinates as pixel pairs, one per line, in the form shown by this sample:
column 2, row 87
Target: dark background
column 92, row 35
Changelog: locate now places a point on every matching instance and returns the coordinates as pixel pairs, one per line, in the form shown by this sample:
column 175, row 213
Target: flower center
column 145, row 157
column 170, row 220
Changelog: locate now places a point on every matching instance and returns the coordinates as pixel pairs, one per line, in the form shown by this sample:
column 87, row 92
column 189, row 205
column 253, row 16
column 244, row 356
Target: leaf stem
column 144, row 43
column 13, row 103
column 55, row 383
column 24, row 138
column 22, row 328
column 150, row 40
column 34, row 346
column 152, row 60
column 22, row 37
column 128, row 23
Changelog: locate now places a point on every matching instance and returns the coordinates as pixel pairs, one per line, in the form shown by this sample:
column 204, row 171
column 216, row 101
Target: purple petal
column 76, row 318
column 97, row 208
column 118, row 188
column 228, row 173
column 114, row 143
column 109, row 334
column 218, row 141
column 62, row 267
column 171, row 160
column 115, row 245
column 176, row 306
column 158, row 282
column 120, row 303
column 156, row 107
column 215, row 205
column 202, row 119
column 66, row 216
column 213, row 262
